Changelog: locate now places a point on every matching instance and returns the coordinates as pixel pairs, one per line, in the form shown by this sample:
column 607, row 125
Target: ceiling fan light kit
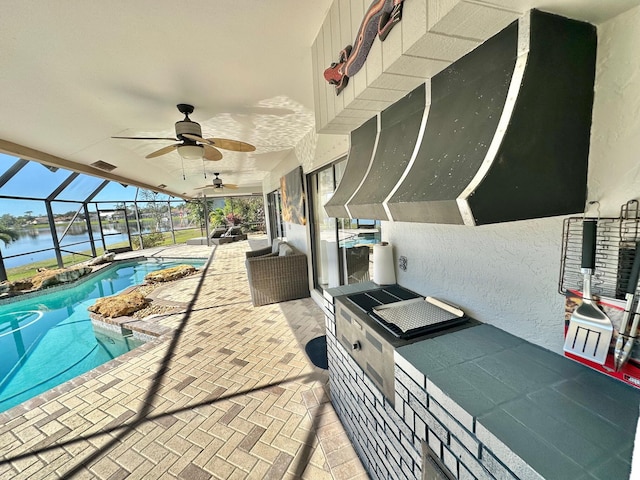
column 191, row 152
column 193, row 146
column 217, row 184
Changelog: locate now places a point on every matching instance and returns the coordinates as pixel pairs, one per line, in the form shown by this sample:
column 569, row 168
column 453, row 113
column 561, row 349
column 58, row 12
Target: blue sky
column 36, row 181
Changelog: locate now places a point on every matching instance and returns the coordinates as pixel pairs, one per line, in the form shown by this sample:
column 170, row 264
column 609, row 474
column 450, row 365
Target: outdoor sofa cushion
column 285, row 250
column 218, row 232
column 275, row 245
column 233, row 231
column 273, row 278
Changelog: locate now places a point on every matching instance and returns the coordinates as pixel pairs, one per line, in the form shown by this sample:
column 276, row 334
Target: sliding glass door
column 274, row 206
column 324, row 232
column 341, row 248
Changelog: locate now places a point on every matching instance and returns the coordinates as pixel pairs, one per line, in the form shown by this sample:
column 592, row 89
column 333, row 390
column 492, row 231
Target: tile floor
column 230, row 393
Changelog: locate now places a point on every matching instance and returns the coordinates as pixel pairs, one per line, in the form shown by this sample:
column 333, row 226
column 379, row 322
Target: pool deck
column 230, row 393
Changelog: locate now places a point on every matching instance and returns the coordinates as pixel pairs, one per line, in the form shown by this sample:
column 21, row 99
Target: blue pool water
column 358, row 241
column 49, row 339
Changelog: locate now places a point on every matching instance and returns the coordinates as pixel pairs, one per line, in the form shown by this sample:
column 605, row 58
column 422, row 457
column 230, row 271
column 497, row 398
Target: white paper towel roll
column 384, row 272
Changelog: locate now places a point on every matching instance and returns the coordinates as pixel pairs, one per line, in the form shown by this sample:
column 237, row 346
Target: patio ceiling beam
column 12, row 170
column 64, row 184
column 96, row 191
column 18, row 150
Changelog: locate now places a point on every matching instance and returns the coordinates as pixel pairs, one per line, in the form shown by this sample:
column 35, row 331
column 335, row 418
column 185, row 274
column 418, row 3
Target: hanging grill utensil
column 632, row 285
column 590, row 330
column 631, row 338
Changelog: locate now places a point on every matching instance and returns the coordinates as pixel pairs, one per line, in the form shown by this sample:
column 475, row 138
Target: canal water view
column 33, row 239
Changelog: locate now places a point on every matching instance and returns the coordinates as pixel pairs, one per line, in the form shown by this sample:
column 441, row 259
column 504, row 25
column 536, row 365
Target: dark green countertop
column 562, row 418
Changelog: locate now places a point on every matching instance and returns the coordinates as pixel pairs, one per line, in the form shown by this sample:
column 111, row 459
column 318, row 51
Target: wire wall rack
column 616, row 247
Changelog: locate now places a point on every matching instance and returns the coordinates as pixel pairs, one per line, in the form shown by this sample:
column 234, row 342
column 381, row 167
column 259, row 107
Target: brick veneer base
column 390, row 440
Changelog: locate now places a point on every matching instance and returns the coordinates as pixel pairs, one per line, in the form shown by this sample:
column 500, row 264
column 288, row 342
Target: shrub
column 152, row 239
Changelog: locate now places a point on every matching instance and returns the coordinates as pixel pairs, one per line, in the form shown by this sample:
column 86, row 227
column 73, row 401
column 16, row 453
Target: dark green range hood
column 501, row 135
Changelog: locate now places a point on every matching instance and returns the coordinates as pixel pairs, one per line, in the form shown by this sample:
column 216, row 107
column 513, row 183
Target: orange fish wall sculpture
column 380, row 18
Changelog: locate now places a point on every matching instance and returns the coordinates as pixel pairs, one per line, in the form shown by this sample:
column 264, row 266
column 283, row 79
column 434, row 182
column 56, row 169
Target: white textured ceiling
column 73, row 73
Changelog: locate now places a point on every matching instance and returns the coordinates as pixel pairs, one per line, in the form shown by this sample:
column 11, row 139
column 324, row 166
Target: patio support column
column 126, row 222
column 205, row 209
column 3, row 271
column 135, row 209
column 104, row 243
column 52, row 224
column 87, row 219
column 173, row 232
column 54, row 234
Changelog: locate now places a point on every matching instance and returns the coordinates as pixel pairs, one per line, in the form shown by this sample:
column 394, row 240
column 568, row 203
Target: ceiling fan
column 192, row 146
column 217, row 184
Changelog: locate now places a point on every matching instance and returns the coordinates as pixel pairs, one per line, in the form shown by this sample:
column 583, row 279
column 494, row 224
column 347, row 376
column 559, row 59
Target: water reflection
column 31, row 240
column 76, row 229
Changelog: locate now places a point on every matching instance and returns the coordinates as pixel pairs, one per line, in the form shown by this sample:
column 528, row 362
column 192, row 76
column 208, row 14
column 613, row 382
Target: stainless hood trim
column 416, row 148
column 526, row 97
column 364, row 177
column 524, row 37
column 362, row 142
column 398, row 129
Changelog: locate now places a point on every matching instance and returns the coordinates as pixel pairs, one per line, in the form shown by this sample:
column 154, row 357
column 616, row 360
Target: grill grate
column 413, row 317
column 615, row 251
column 367, row 301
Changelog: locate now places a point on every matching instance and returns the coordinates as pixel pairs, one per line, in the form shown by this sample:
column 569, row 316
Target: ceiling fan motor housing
column 187, row 126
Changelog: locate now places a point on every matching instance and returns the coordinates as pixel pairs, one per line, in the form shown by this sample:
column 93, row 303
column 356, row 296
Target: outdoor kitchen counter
column 545, row 413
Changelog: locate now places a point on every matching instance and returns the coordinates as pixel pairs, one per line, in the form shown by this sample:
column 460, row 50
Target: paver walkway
column 229, row 394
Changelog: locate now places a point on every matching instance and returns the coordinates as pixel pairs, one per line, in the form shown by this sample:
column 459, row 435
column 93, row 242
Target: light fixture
column 191, row 152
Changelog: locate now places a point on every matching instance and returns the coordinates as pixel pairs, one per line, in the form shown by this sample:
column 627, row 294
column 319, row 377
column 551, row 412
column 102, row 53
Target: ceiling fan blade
column 162, row 151
column 233, row 145
column 229, row 185
column 148, row 138
column 212, row 153
column 196, row 138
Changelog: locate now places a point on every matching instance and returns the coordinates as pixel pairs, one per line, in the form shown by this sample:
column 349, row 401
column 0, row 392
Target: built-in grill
column 366, row 301
column 406, row 314
column 371, row 324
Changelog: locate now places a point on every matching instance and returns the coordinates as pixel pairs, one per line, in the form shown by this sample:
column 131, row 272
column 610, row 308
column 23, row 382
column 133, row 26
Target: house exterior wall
column 312, row 152
column 507, row 274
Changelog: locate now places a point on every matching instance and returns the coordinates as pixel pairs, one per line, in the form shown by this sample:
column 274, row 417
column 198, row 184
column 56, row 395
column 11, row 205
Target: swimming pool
column 48, row 339
column 354, row 242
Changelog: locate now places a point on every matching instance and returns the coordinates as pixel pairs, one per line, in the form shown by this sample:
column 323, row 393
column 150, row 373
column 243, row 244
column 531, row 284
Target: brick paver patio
column 230, row 393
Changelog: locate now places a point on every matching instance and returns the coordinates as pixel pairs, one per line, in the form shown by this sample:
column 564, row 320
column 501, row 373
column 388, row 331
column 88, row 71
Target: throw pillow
column 275, row 246
column 285, row 250
column 218, row 232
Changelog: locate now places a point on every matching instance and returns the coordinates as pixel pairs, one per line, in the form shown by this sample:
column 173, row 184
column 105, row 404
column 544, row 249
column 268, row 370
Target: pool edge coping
column 154, row 341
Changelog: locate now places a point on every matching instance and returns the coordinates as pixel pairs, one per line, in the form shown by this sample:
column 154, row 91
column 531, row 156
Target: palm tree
column 7, row 235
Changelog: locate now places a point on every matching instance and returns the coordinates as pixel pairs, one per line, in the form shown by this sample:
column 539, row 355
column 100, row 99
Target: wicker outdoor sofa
column 220, row 236
column 277, row 278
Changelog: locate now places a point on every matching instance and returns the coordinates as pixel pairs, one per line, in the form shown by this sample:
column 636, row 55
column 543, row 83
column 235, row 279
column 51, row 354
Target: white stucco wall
column 614, row 166
column 312, row 152
column 504, row 274
column 507, row 274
